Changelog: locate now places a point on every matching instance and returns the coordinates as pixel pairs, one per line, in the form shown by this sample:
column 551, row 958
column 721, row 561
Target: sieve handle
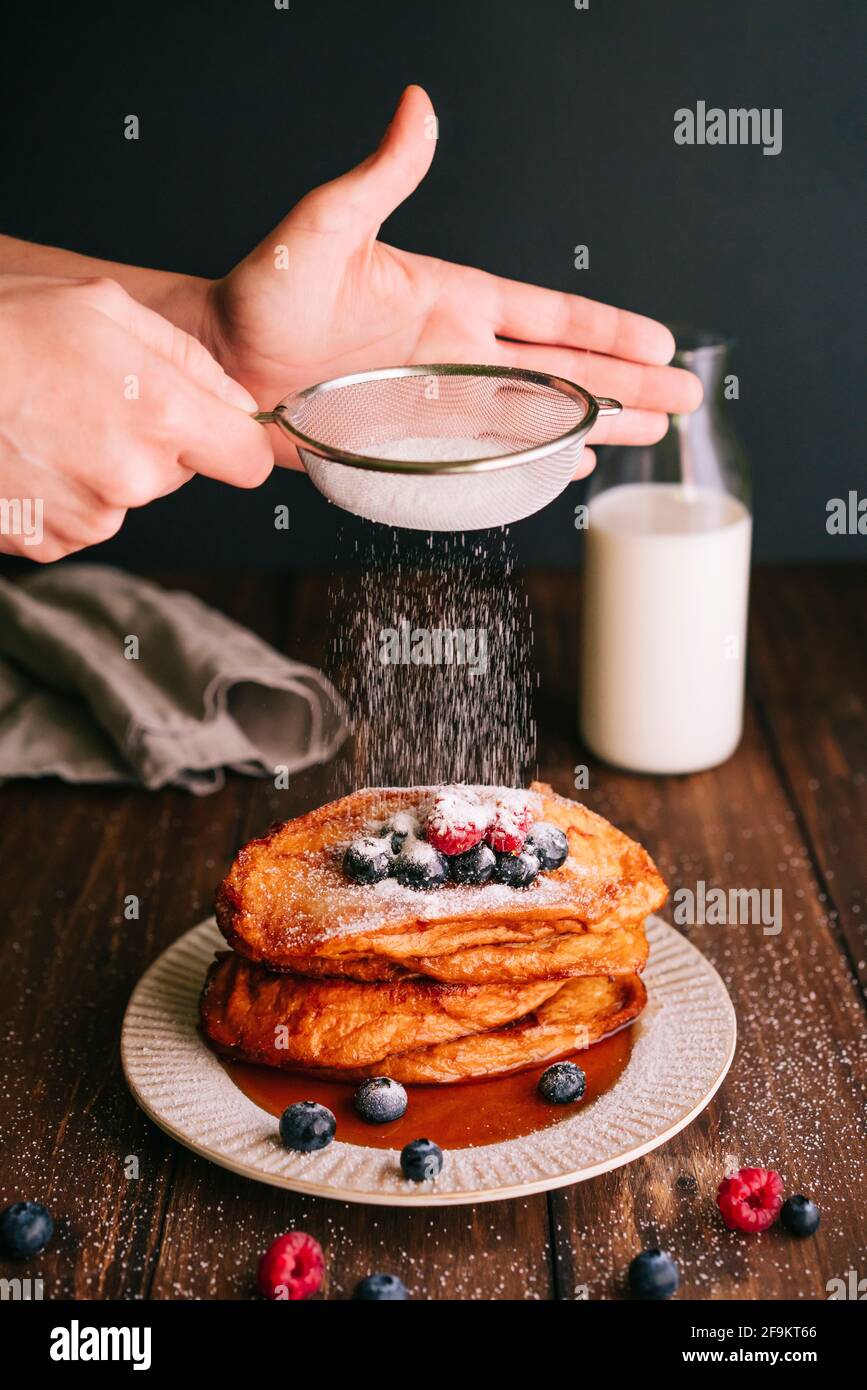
column 264, row 417
column 607, row 406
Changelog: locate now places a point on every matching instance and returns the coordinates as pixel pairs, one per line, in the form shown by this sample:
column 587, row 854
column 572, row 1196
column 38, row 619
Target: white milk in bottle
column 666, row 581
column 666, row 587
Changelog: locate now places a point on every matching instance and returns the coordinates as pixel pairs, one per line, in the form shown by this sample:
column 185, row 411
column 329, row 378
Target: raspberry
column 509, row 825
column 292, row 1267
column 455, row 823
column 751, row 1199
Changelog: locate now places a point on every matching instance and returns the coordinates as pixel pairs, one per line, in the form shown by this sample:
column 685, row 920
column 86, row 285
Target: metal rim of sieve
column 594, row 406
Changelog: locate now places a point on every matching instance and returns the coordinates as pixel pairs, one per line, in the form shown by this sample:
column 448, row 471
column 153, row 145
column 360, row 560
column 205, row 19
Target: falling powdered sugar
column 431, row 647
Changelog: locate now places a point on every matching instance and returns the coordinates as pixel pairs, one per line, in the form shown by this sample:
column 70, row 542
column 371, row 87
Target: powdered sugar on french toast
column 286, row 899
column 356, row 909
column 363, row 908
column 452, row 900
column 377, row 904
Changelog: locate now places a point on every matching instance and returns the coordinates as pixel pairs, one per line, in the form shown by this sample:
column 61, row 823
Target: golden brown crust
column 285, row 1021
column 548, row 956
column 580, row 1013
column 575, row 1015
column 286, row 897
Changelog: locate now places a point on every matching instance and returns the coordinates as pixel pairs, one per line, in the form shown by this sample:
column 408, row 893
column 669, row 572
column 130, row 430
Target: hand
column 346, row 302
column 104, row 405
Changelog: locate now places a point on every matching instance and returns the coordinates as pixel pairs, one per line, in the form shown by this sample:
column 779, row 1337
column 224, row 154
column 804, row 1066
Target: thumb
column 360, row 201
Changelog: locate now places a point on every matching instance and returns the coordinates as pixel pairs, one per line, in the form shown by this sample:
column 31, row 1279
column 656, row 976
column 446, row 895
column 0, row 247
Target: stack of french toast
column 430, row 934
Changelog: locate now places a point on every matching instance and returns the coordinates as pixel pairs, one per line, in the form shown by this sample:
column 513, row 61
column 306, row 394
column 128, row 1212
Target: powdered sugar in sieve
column 447, row 449
column 441, row 447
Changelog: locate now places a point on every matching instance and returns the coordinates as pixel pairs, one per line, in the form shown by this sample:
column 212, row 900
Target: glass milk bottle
column 665, row 587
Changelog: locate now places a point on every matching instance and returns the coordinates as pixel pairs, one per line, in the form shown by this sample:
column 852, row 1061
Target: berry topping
column 420, row 866
column 548, row 843
column 517, row 870
column 653, row 1274
column 456, row 823
column 562, row 1083
column 750, row 1200
column 293, row 1267
column 509, row 823
column 307, row 1126
column 368, row 860
column 380, row 1100
column 401, row 826
column 475, row 865
column 465, row 837
column 800, row 1216
column 379, row 1288
column 25, row 1229
column 421, row 1160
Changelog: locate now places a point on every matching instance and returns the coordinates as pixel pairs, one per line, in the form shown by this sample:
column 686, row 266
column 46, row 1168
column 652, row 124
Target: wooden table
column 788, row 812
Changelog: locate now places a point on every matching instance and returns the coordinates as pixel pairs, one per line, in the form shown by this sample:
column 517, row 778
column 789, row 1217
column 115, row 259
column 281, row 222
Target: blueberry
column 548, row 843
column 401, row 825
column 368, row 860
column 517, row 870
column 474, row 866
column 421, row 1160
column 420, row 866
column 562, row 1083
column 380, row 1100
column 800, row 1216
column 25, row 1229
column 379, row 1287
column 307, row 1126
column 653, row 1274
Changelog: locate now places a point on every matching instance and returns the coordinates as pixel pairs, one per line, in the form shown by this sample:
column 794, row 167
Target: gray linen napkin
column 201, row 695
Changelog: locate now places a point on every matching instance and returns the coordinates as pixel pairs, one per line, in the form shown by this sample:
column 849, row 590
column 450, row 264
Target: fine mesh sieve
column 529, row 429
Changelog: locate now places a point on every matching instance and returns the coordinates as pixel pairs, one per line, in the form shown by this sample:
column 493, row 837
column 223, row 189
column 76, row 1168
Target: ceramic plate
column 683, row 1046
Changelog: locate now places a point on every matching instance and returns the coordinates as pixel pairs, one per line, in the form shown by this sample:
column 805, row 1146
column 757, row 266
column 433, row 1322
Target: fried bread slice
column 286, row 896
column 250, row 1012
column 548, row 956
column 580, row 1013
column 576, row 1014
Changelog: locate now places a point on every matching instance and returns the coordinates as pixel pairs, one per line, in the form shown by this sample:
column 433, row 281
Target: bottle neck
column 709, row 358
column 701, row 449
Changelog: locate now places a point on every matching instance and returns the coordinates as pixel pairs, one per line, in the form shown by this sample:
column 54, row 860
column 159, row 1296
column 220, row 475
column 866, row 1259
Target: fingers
column 208, row 436
column 361, row 200
column 199, row 416
column 643, row 387
column 586, row 464
column 634, row 424
column 183, row 351
column 534, row 315
column 141, row 406
column 630, row 427
column 67, row 517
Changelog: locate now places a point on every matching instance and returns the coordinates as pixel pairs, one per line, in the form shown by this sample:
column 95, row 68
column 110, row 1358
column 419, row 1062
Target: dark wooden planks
column 809, row 679
column 68, row 962
column 794, row 1098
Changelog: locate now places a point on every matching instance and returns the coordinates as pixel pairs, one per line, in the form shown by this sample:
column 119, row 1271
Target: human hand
column 104, row 405
column 321, row 296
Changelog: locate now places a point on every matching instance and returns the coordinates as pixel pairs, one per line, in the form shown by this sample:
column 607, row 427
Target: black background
column 556, row 128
